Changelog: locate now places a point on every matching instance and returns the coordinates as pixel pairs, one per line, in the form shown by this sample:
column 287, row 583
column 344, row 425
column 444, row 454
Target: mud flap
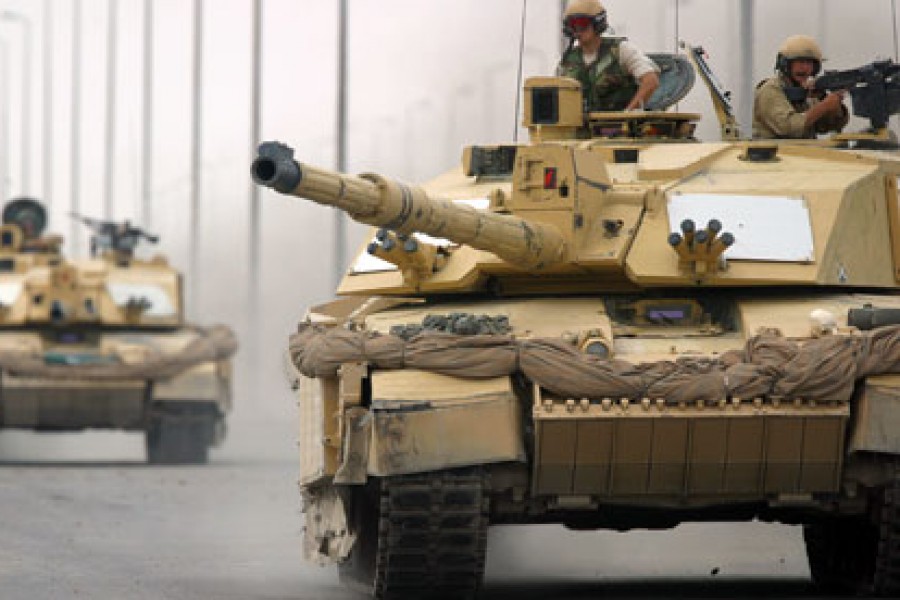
column 877, row 416
column 357, row 433
column 424, row 421
column 326, row 537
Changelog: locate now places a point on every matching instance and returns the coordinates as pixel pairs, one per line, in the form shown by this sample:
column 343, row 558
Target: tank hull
column 592, row 461
column 76, row 379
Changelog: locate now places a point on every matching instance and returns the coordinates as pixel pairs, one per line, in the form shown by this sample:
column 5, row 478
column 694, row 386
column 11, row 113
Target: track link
column 887, row 564
column 432, row 535
column 841, row 554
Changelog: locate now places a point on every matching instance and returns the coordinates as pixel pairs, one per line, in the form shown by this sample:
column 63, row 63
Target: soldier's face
column 586, row 35
column 801, row 70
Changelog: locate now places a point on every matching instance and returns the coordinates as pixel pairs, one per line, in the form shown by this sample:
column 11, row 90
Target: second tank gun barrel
column 382, row 202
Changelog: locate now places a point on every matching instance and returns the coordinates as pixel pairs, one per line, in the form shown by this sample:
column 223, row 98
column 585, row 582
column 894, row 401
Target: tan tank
column 102, row 342
column 610, row 326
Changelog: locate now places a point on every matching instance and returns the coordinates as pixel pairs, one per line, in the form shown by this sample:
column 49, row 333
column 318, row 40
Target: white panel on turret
column 156, row 300
column 9, row 292
column 775, row 228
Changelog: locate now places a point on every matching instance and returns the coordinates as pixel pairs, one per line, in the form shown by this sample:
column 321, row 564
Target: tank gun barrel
column 382, row 202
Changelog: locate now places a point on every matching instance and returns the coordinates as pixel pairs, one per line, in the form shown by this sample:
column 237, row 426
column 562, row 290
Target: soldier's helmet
column 582, row 13
column 798, row 47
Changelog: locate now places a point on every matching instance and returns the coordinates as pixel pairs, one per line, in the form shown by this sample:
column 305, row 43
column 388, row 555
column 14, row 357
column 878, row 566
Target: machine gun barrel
column 94, row 224
column 382, row 202
column 873, row 73
column 115, row 236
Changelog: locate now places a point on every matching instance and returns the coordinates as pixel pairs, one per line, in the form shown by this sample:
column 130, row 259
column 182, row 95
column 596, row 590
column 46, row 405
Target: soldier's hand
column 835, row 100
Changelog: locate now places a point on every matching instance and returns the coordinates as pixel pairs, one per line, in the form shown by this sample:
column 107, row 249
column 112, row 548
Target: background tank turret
column 102, row 342
column 613, row 325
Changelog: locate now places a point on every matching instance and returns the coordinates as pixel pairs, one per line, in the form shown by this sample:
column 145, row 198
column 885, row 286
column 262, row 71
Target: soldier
column 784, row 106
column 614, row 74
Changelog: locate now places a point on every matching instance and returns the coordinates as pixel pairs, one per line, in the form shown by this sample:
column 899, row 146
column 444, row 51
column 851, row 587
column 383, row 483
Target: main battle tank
column 610, row 326
column 102, row 342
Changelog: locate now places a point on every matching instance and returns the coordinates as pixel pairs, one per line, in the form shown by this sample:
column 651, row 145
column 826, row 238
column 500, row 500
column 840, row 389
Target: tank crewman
column 614, row 74
column 784, row 106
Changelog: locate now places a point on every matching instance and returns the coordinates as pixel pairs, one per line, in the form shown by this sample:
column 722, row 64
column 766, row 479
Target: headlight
column 596, row 345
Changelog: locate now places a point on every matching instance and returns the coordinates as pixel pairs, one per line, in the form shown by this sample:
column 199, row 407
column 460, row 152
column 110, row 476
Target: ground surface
column 89, row 520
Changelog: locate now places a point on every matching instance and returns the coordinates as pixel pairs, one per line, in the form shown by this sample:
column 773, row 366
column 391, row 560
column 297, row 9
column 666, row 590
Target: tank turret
column 615, row 213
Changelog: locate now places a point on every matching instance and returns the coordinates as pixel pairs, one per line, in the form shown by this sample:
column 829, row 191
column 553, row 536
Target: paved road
column 111, row 527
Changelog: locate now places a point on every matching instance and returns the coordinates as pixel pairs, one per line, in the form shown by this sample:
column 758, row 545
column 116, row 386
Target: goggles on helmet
column 579, row 22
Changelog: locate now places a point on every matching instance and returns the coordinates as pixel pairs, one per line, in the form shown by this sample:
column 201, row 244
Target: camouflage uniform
column 774, row 116
column 606, row 84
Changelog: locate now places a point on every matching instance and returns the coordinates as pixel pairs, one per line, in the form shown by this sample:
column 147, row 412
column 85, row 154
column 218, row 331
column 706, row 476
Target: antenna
column 519, row 77
column 677, row 24
column 894, row 21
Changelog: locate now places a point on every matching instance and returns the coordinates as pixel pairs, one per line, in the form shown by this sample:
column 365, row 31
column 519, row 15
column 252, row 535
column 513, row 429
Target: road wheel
column 419, row 536
column 179, row 437
column 841, row 553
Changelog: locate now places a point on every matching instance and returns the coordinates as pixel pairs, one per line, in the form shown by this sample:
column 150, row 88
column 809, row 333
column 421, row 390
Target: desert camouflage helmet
column 584, row 8
column 799, row 47
column 587, row 8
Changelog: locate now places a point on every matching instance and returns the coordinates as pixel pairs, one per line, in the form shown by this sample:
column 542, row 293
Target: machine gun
column 120, row 238
column 874, row 89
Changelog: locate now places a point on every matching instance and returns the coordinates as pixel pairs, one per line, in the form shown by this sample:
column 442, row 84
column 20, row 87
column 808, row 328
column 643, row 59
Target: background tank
column 611, row 326
column 102, row 342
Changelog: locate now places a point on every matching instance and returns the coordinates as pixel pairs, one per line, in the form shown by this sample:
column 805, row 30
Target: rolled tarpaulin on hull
column 769, row 366
column 210, row 344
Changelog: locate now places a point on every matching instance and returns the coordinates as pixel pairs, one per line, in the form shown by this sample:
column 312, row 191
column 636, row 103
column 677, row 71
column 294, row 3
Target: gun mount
column 120, row 239
column 721, row 98
column 874, row 89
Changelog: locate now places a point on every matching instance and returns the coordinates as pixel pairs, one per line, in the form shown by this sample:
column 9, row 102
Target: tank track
column 841, row 554
column 432, row 535
column 887, row 565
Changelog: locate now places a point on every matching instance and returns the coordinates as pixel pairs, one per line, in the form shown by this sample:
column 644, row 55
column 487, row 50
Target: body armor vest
column 606, row 85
